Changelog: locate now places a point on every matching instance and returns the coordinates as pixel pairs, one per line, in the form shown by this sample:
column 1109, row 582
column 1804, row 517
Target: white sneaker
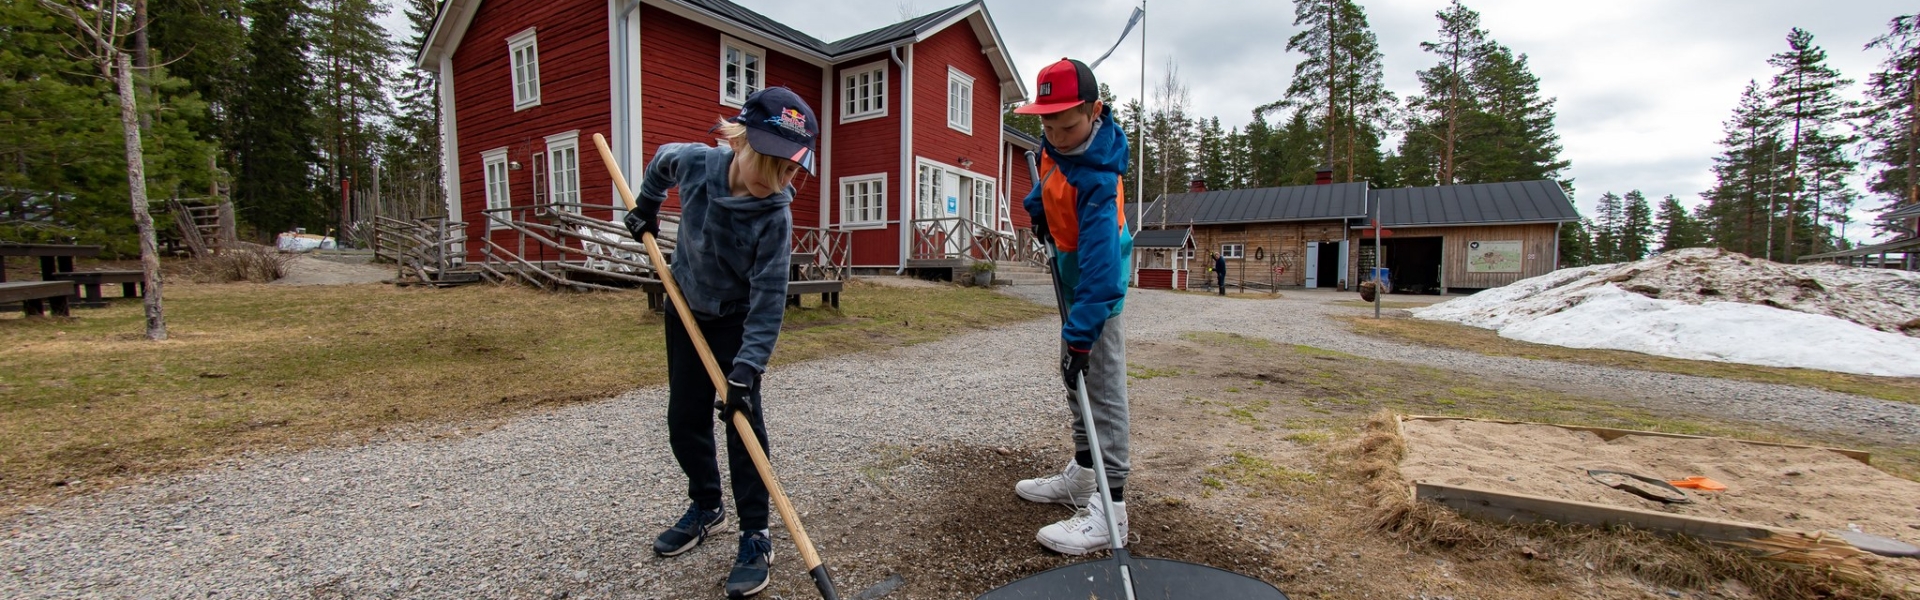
column 1072, row 486
column 1085, row 531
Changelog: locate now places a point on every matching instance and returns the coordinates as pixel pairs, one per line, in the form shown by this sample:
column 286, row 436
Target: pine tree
column 411, row 166
column 1341, row 83
column 1739, row 206
column 1213, row 161
column 1635, row 234
column 352, row 57
column 1806, row 96
column 1609, row 217
column 202, row 42
column 1892, row 121
column 1511, row 135
column 1678, row 228
column 274, row 189
column 1441, row 111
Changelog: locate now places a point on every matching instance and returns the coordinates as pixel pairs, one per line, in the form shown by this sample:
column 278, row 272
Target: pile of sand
column 1794, row 488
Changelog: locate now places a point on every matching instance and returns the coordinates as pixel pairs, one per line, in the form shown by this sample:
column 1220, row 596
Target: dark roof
column 1020, row 137
column 892, row 33
column 1162, row 238
column 856, row 43
column 1293, row 203
column 1512, row 202
column 754, row 20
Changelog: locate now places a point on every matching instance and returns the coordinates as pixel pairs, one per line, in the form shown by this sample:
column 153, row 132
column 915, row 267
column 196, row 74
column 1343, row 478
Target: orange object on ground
column 1699, row 483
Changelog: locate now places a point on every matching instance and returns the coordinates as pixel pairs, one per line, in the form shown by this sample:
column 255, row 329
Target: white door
column 1343, row 258
column 1313, row 265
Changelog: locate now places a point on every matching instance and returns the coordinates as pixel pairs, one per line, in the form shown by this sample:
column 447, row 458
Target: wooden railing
column 557, row 246
column 422, row 249
column 826, row 253
column 961, row 238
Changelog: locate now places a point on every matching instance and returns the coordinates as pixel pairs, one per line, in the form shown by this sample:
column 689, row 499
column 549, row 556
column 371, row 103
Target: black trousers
column 690, row 417
column 1222, row 278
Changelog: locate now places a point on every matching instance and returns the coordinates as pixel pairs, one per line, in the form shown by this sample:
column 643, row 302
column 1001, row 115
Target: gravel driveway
column 565, row 503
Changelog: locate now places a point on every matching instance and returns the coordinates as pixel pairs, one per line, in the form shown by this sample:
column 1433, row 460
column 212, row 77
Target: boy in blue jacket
column 1078, row 206
column 736, row 233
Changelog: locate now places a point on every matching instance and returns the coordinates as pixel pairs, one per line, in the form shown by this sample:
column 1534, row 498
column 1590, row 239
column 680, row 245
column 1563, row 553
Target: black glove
column 741, row 384
column 640, row 223
column 1073, row 365
column 1040, row 230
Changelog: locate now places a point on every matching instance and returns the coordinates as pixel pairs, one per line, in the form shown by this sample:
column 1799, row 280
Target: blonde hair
column 769, row 167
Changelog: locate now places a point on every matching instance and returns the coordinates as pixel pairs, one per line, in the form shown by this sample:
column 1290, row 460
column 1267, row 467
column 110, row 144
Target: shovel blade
column 1153, row 579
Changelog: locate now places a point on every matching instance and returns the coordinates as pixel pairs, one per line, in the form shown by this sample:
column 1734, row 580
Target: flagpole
column 1139, row 124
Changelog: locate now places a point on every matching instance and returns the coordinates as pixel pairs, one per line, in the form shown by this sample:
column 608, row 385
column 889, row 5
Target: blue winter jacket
column 1081, row 197
column 733, row 251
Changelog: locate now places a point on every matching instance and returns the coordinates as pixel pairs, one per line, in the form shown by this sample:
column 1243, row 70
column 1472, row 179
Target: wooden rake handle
column 740, row 423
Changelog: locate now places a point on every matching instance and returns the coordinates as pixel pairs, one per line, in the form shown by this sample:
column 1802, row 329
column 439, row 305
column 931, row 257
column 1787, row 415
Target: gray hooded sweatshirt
column 733, row 251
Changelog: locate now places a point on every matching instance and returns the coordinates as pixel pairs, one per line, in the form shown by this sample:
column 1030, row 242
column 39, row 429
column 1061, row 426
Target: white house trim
column 840, row 82
column 525, row 40
column 759, row 54
column 449, row 145
column 959, row 115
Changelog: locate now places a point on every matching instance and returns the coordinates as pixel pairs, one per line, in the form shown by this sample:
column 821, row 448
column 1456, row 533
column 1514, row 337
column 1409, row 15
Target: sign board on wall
column 1494, row 257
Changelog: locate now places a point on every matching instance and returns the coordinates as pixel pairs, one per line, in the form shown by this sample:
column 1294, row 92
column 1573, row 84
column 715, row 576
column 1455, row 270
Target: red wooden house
column 912, row 142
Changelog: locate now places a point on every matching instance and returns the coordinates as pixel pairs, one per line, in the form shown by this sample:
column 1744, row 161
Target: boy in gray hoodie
column 735, row 241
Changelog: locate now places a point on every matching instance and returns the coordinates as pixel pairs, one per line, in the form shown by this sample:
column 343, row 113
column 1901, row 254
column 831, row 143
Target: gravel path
column 565, row 503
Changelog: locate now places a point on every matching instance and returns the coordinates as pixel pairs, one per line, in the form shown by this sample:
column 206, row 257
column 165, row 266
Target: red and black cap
column 780, row 124
column 1063, row 85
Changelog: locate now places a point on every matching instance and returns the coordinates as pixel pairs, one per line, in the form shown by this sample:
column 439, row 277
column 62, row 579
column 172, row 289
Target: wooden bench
column 129, row 281
column 828, row 289
column 33, row 296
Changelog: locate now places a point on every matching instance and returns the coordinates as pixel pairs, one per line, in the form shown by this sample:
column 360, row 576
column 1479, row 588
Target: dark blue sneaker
column 750, row 569
column 692, row 529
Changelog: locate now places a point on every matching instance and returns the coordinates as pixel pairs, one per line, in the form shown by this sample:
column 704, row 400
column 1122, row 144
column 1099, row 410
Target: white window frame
column 1233, row 251
column 959, row 101
column 929, row 177
column 759, row 56
column 523, row 63
column 563, row 177
column 499, row 191
column 984, row 201
column 863, row 208
column 873, row 90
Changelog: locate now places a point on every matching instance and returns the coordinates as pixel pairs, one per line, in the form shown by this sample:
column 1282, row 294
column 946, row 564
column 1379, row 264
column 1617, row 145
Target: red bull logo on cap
column 792, row 121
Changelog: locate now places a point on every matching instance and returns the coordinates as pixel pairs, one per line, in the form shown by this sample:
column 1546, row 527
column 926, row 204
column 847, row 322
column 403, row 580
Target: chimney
column 1323, row 175
column 1197, row 185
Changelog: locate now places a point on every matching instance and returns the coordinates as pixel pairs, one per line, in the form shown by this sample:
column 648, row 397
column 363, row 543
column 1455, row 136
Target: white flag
column 1135, row 20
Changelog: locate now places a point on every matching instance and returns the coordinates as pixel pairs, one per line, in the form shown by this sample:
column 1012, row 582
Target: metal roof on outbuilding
column 1261, row 205
column 1162, row 238
column 1512, row 202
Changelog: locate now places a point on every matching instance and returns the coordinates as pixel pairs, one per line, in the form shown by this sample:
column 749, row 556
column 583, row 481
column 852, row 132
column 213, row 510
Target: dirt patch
column 1237, row 465
column 307, row 270
column 1793, row 488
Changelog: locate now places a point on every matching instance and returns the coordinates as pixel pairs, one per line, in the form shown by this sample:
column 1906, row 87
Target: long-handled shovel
column 1122, row 575
column 815, row 569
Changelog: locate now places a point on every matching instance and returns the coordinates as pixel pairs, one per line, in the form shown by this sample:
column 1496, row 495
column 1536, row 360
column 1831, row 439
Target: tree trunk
column 137, row 189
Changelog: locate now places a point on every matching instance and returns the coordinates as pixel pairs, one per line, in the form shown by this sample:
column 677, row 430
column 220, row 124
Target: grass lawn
column 259, row 367
column 1486, row 341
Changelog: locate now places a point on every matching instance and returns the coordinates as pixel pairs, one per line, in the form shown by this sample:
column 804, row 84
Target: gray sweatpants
column 1107, row 392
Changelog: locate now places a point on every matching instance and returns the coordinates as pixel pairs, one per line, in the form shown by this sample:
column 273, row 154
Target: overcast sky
column 1643, row 86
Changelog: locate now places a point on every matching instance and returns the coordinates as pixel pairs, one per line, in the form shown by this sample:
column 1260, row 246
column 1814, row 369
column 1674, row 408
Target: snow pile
column 1708, row 304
